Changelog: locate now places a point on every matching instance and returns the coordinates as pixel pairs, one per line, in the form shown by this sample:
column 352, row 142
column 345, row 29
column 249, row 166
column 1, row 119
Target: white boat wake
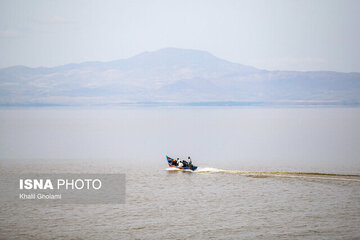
column 304, row 175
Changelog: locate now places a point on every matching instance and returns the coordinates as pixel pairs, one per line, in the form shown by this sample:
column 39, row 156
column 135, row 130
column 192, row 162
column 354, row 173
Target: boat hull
column 169, row 160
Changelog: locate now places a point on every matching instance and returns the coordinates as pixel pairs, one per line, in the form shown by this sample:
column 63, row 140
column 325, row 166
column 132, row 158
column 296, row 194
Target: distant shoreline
column 193, row 104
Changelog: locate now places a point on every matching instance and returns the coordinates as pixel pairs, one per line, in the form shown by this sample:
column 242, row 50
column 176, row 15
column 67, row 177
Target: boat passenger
column 175, row 162
column 179, row 163
column 191, row 166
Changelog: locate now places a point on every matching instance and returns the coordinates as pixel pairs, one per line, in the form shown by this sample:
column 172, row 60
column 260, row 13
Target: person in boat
column 174, row 162
column 179, row 163
column 185, row 163
column 191, row 166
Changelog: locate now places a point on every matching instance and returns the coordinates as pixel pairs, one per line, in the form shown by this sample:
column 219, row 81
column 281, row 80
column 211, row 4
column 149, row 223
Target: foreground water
column 252, row 181
column 208, row 204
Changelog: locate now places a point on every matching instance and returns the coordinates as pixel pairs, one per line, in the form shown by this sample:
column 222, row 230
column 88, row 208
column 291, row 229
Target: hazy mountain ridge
column 172, row 75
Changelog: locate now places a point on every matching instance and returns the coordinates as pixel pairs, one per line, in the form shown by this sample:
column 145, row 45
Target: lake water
column 252, row 181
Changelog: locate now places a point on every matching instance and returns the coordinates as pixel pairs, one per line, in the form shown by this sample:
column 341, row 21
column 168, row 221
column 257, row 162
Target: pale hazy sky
column 275, row 35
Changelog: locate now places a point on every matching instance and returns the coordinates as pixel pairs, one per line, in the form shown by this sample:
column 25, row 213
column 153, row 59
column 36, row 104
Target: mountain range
column 173, row 76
